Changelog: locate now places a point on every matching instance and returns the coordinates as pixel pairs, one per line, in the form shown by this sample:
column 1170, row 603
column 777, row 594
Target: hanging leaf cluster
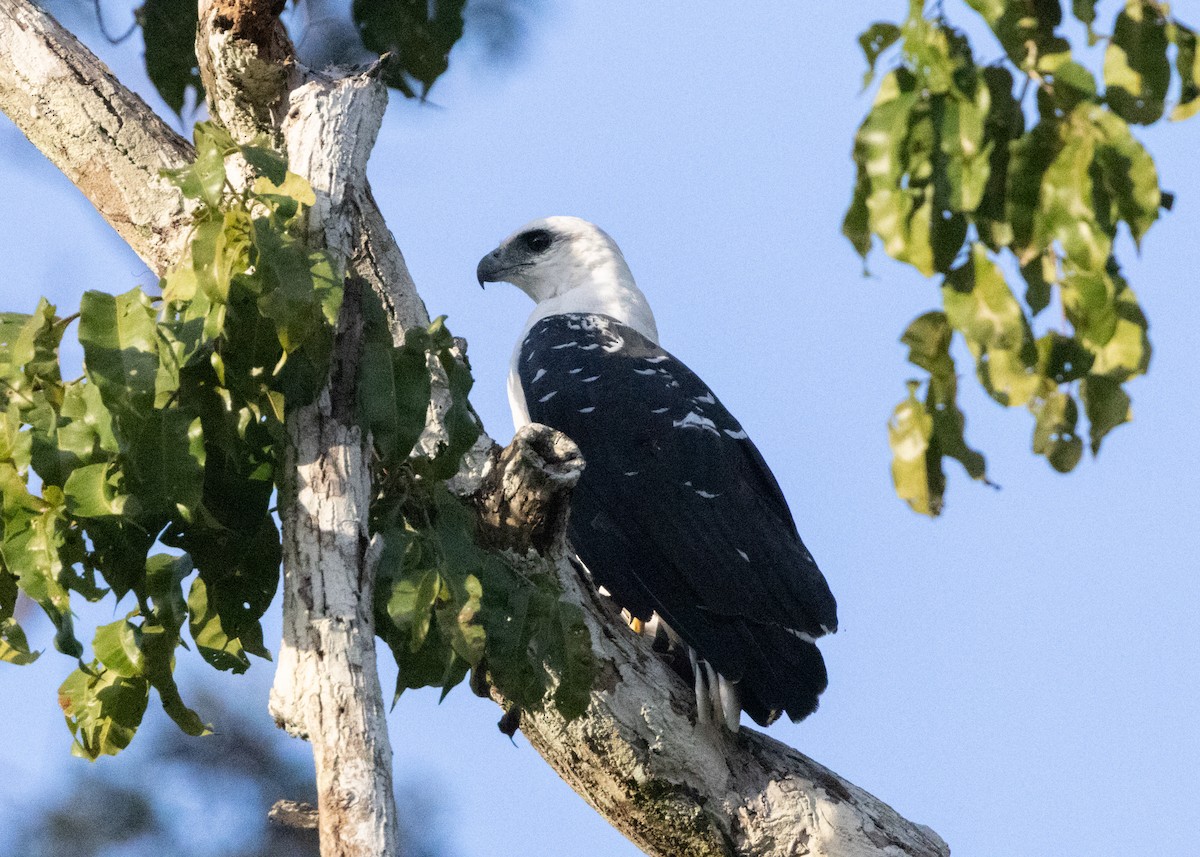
column 170, row 438
column 444, row 605
column 174, row 437
column 1014, row 179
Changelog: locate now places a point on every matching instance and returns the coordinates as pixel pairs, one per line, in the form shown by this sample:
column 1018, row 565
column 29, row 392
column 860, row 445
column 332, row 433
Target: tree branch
column 673, row 787
column 101, row 135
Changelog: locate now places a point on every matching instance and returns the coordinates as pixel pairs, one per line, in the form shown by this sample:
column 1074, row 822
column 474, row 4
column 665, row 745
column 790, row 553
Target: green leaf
column 856, row 225
column 29, row 373
column 1039, row 274
column 14, row 647
column 266, row 162
column 32, row 542
column 917, row 476
column 119, row 550
column 928, row 339
column 1187, row 64
column 981, row 306
column 1067, row 208
column 874, row 41
column 1085, row 11
column 169, row 30
column 1126, row 352
column 120, row 349
column 1031, row 157
column 394, row 385
column 164, row 463
column 1136, row 69
column 90, row 493
column 461, row 424
column 1072, row 84
column 164, row 578
column 1106, row 405
column 417, row 33
column 1127, row 174
column 1004, row 123
column 215, row 645
column 103, row 710
column 1062, row 359
column 1054, row 434
column 204, row 178
column 117, row 646
column 1026, row 30
column 285, row 198
column 158, row 647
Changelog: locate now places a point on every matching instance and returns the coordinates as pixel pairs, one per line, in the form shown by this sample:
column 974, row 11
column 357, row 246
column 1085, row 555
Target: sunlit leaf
column 120, row 348
column 874, row 41
column 1187, row 64
column 103, row 710
column 1054, row 435
column 918, row 479
column 1136, row 69
column 116, row 645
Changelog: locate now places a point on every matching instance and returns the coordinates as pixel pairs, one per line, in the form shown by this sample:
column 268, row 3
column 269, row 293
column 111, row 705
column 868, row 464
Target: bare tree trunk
column 637, row 756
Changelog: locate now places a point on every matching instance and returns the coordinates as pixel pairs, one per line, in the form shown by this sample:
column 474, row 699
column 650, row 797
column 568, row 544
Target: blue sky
column 1024, row 669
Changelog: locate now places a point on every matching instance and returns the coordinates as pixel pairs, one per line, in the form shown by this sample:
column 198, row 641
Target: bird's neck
column 615, row 296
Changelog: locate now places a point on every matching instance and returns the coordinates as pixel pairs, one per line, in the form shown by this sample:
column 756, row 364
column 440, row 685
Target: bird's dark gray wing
column 677, row 513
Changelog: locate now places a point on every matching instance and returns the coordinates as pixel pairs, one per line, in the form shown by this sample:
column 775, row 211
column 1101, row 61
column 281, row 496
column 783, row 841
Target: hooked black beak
column 490, row 268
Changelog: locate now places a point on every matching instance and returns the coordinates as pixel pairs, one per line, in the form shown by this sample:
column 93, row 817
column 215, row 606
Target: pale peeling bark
column 637, row 756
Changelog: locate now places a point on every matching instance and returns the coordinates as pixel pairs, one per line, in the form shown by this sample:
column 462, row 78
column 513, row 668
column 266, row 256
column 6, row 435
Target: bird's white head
column 567, row 264
column 549, row 257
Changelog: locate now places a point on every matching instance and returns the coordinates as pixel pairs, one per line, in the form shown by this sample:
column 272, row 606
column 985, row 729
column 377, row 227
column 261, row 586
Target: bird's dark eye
column 537, row 240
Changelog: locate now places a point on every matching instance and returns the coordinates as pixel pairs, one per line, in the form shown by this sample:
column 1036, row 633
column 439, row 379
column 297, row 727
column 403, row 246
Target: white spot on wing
column 743, row 554
column 707, row 399
column 736, row 435
column 570, row 344
column 591, row 379
column 705, row 494
column 660, row 410
column 631, row 472
column 538, row 376
column 659, row 359
column 576, row 371
column 644, row 371
column 587, row 410
column 548, row 396
column 695, row 420
column 808, row 638
column 591, row 347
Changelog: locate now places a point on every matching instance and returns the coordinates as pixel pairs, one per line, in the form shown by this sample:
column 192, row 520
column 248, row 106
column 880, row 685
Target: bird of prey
column 676, row 515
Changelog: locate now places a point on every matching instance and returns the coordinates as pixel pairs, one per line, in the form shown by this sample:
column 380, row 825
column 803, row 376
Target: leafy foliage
column 964, row 178
column 174, row 436
column 416, row 36
column 444, row 605
column 170, row 437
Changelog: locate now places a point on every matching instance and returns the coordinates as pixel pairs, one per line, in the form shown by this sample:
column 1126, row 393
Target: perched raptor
column 677, row 515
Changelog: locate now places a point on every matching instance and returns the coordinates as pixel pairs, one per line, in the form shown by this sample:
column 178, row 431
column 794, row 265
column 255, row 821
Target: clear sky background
column 1021, row 674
